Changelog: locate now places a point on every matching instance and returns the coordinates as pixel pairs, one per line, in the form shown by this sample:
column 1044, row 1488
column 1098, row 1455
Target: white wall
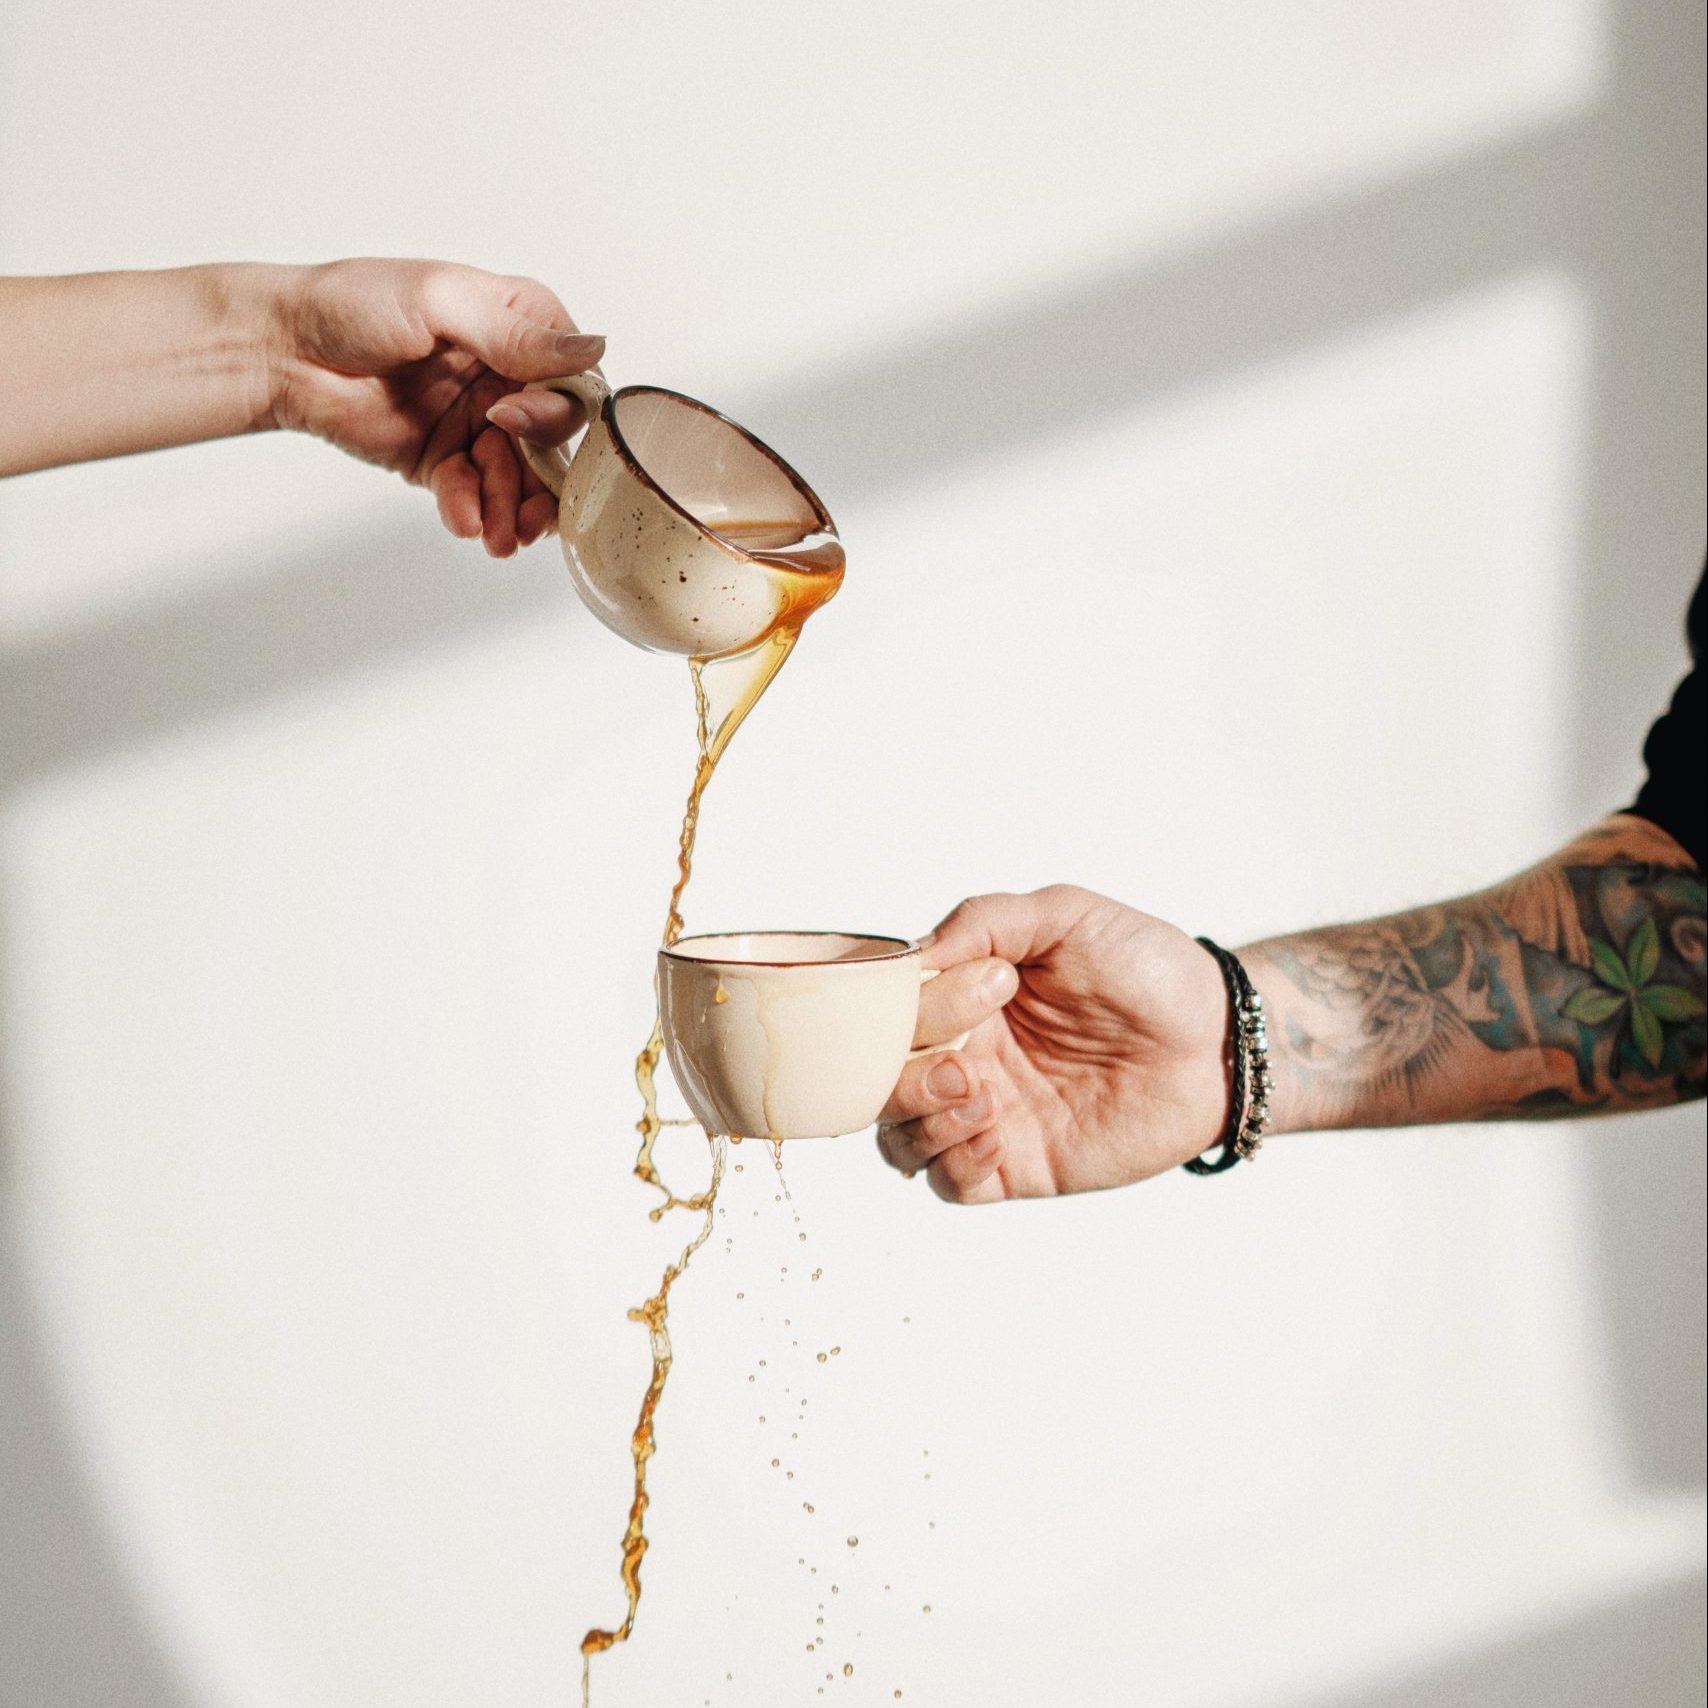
column 331, row 857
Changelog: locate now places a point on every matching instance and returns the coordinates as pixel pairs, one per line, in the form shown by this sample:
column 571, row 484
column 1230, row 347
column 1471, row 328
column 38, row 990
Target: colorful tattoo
column 1575, row 987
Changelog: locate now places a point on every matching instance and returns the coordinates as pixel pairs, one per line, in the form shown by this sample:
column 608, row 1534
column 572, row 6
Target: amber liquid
column 808, row 570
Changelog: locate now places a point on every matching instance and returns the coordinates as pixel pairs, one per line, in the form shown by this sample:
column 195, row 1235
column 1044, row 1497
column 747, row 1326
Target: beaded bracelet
column 1249, row 1040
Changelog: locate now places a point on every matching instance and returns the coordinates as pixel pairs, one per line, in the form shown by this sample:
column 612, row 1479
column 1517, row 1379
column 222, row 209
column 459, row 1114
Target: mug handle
column 550, row 462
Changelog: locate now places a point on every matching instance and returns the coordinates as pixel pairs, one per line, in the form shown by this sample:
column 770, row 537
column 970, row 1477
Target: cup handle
column 926, row 974
column 550, row 462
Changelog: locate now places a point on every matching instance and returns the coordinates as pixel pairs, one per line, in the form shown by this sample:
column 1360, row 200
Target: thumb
column 471, row 311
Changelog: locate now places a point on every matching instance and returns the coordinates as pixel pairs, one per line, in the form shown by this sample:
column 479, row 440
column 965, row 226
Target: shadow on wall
column 1648, row 1182
column 72, row 1636
column 71, row 1633
column 1641, row 1652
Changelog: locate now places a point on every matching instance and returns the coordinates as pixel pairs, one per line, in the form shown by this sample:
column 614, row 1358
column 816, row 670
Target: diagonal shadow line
column 1138, row 333
column 369, row 596
column 1145, row 330
column 1032, row 370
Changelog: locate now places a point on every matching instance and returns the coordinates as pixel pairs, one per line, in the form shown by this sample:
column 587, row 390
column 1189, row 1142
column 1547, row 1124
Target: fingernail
column 974, row 1110
column 511, row 417
column 999, row 984
column 947, row 1081
column 580, row 343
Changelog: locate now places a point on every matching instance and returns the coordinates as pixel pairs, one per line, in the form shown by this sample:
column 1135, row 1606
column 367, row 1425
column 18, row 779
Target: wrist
column 1288, row 1103
column 254, row 306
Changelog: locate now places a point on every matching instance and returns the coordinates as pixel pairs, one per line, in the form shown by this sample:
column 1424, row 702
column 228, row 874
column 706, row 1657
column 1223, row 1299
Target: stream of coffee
column 807, row 570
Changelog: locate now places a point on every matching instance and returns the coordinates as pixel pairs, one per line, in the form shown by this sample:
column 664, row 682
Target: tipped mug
column 677, row 524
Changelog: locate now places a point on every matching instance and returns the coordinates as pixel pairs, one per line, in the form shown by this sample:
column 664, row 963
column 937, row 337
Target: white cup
column 788, row 1034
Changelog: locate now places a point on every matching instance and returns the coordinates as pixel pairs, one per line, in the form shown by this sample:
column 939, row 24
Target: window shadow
column 73, row 1635
column 1642, row 1651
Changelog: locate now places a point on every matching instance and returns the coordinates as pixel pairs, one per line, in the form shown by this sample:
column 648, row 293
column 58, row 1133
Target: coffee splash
column 807, row 570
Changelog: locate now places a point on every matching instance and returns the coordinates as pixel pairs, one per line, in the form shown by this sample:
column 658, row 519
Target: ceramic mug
column 666, row 509
column 788, row 1034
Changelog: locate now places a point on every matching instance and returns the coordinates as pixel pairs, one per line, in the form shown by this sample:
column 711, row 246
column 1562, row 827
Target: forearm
column 102, row 364
column 1573, row 988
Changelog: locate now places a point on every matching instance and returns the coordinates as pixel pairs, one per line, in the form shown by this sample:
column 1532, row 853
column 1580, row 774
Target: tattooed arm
column 1095, row 1048
column 1573, row 988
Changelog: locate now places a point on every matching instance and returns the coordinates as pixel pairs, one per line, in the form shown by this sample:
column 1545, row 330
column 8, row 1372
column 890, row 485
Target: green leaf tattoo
column 1646, row 1034
column 1624, row 981
column 1643, row 952
column 1590, row 1006
column 1608, row 966
column 1672, row 1002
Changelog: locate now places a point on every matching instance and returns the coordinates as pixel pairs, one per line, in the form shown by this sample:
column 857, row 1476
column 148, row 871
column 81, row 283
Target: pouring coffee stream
column 686, row 535
column 654, row 1313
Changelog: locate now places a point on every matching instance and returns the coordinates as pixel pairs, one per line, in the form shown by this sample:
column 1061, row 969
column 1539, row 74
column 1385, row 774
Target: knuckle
column 434, row 283
column 1061, row 896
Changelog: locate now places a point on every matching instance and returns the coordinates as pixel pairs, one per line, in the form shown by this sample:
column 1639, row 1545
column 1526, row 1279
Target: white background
column 1268, row 444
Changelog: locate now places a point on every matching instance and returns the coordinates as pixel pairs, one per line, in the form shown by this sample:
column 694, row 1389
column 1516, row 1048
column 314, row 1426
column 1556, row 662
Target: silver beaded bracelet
column 1251, row 1023
column 1248, row 1116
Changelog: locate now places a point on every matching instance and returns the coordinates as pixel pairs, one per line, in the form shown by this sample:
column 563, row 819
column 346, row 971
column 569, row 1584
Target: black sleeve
column 1674, row 795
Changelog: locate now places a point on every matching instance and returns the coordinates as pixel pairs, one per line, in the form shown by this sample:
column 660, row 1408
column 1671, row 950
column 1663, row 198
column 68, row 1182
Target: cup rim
column 903, row 947
column 609, row 416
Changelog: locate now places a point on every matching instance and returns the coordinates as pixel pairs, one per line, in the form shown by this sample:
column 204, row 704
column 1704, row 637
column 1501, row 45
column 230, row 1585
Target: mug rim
column 903, row 948
column 609, row 416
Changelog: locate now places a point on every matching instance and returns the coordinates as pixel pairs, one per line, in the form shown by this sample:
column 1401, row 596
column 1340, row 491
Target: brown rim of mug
column 609, row 415
column 902, row 948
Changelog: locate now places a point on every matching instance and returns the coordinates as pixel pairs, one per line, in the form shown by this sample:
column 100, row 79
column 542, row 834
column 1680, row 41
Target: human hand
column 1095, row 1055
column 399, row 362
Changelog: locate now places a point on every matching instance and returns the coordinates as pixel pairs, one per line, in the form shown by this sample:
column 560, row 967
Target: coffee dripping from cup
column 683, row 532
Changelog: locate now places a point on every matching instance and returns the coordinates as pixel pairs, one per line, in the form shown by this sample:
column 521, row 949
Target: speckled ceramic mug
column 662, row 509
column 788, row 1034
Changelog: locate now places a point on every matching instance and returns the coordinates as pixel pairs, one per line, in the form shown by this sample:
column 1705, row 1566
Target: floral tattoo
column 1575, row 987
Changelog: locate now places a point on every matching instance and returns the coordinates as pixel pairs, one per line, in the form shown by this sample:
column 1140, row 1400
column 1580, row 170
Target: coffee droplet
column 807, row 1506
column 847, row 1669
column 853, row 1541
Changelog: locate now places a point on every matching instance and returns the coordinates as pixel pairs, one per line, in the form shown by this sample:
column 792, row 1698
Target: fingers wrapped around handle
column 941, row 1116
column 550, row 462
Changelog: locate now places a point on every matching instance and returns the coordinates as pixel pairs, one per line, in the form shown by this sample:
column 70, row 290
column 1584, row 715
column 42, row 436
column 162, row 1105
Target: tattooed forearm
column 1575, row 987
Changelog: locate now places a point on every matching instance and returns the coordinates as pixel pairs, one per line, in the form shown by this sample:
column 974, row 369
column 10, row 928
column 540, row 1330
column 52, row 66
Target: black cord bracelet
column 1250, row 1043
